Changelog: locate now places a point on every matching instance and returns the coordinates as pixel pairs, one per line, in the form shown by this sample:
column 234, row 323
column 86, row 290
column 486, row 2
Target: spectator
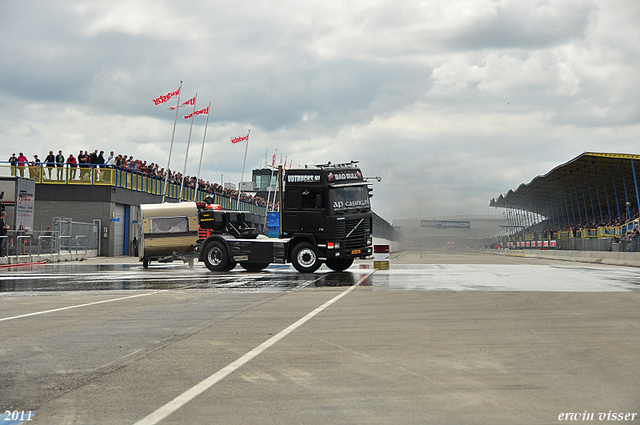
column 60, row 165
column 35, row 168
column 13, row 161
column 3, row 232
column 50, row 161
column 99, row 163
column 83, row 160
column 73, row 165
column 22, row 161
column 111, row 160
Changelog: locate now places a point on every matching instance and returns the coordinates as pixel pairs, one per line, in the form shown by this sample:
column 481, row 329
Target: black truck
column 325, row 217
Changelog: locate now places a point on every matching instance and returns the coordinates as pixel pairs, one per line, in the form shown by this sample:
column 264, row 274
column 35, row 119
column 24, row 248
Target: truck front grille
column 350, row 243
column 352, row 227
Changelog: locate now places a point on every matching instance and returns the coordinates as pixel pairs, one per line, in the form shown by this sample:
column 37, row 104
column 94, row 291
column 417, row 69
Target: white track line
column 37, row 313
column 78, row 306
column 184, row 398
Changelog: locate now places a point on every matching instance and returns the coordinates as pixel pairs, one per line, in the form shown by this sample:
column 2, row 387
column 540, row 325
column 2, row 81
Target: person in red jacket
column 72, row 164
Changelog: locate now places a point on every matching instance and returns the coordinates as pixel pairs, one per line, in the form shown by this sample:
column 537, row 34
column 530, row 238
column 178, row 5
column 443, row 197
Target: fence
column 65, row 236
column 621, row 238
column 382, row 229
column 73, row 236
column 91, row 175
column 18, row 242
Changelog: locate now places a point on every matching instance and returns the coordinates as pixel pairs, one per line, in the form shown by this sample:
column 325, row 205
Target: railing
column 588, row 233
column 92, row 175
column 18, row 242
column 607, row 232
column 623, row 238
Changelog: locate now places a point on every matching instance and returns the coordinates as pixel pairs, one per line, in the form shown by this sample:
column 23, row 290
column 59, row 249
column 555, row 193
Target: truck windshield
column 349, row 199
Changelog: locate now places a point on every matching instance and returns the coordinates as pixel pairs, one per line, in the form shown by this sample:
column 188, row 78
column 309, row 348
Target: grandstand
column 590, row 203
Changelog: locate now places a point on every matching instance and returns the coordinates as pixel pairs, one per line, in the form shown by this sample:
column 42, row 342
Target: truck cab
column 327, row 206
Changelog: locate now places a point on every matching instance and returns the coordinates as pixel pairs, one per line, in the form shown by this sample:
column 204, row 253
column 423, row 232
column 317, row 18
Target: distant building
column 264, row 178
column 265, row 184
column 452, row 232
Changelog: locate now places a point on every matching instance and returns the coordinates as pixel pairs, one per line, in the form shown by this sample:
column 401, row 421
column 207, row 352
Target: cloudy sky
column 451, row 102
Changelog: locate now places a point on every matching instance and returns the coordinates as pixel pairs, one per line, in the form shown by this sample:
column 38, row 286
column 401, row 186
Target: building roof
column 589, row 178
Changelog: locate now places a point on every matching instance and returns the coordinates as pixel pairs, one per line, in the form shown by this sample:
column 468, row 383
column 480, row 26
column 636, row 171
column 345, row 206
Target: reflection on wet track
column 84, row 277
column 282, row 278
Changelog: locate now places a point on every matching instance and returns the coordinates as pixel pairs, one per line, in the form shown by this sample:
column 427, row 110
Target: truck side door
column 313, row 210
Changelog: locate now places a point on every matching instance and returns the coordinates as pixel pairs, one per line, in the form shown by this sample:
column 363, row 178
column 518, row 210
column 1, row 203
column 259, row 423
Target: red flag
column 165, row 97
column 204, row 111
column 273, row 160
column 190, row 102
column 239, row 139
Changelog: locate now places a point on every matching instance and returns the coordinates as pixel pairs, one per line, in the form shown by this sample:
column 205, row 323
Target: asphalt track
column 453, row 339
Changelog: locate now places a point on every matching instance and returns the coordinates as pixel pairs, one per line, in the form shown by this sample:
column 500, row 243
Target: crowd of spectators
column 85, row 160
column 551, row 229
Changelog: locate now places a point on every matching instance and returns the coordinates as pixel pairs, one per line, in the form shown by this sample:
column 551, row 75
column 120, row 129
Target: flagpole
column 166, row 176
column 202, row 152
column 242, row 175
column 269, row 193
column 273, row 165
column 186, row 155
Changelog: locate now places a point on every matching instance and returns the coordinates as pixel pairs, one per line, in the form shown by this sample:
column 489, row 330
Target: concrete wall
column 598, row 257
column 87, row 203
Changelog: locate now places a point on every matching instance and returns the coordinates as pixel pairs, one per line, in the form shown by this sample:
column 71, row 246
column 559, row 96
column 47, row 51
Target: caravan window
column 169, row 225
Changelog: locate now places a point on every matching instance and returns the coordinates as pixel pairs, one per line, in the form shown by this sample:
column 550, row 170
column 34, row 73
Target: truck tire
column 230, row 266
column 216, row 257
column 339, row 264
column 254, row 267
column 304, row 258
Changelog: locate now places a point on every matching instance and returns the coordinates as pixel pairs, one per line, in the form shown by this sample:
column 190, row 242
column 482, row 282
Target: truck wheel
column 254, row 267
column 215, row 256
column 305, row 258
column 339, row 264
column 230, row 266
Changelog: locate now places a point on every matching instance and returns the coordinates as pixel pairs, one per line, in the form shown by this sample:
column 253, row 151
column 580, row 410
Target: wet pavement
column 116, row 277
column 435, row 339
column 281, row 278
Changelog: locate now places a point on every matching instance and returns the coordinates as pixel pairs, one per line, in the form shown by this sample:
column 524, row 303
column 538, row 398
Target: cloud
column 523, row 24
column 450, row 102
